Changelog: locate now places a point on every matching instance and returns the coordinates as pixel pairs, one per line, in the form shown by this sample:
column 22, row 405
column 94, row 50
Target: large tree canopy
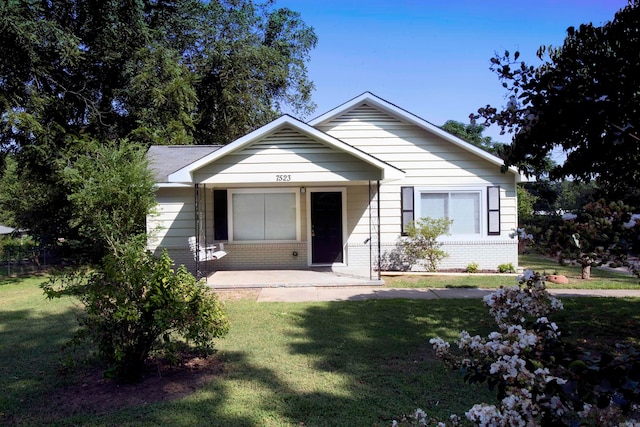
column 150, row 71
column 178, row 68
column 584, row 99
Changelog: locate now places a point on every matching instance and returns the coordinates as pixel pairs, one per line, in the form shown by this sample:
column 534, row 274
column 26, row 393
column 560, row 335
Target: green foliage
column 473, row 133
column 526, row 202
column 564, row 196
column 161, row 91
column 599, row 234
column 136, row 303
column 527, row 361
column 597, row 68
column 112, row 191
column 421, row 244
column 473, row 267
column 133, row 303
column 34, row 202
column 506, row 268
column 17, row 248
column 186, row 71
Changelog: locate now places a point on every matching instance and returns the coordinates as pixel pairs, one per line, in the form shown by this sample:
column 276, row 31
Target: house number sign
column 283, row 178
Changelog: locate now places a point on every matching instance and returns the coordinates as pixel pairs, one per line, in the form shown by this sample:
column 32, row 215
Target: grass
column 600, row 278
column 353, row 363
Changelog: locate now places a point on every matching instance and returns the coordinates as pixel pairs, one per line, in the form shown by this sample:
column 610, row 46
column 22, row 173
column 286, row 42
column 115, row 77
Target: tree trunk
column 586, row 272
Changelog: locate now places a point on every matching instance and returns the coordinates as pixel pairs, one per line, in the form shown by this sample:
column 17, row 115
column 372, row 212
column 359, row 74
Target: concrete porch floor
column 325, row 276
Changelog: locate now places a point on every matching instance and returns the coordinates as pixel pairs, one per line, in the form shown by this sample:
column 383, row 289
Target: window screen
column 264, row 216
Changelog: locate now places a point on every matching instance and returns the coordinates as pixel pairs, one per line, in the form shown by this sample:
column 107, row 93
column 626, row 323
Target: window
column 264, row 215
column 463, row 207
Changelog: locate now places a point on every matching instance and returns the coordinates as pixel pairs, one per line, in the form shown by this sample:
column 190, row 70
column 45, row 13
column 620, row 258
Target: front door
column 326, row 227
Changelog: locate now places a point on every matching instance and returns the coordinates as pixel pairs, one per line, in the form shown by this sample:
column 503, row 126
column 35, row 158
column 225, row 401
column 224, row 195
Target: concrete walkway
column 347, row 284
column 319, row 277
column 315, row 293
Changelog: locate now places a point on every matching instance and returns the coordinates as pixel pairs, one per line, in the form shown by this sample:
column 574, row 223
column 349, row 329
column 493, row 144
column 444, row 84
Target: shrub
column 472, row 268
column 506, row 268
column 421, row 244
column 538, row 379
column 17, row 249
column 135, row 304
column 395, row 259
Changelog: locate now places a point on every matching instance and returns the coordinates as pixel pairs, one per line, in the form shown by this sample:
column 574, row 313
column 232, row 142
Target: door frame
column 343, row 191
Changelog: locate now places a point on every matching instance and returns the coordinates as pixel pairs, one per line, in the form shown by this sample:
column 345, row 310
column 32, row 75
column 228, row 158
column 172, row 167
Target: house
column 336, row 191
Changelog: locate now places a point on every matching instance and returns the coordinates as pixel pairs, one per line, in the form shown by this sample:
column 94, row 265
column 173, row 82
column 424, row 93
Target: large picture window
column 463, row 207
column 259, row 215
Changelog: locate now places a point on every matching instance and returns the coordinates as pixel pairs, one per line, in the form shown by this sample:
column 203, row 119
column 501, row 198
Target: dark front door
column 326, row 227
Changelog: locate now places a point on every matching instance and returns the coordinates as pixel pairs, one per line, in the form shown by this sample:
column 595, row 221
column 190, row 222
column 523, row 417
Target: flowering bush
column 537, row 380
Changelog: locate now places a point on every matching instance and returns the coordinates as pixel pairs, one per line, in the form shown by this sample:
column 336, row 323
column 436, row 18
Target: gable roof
column 394, row 110
column 6, row 230
column 166, row 159
column 185, row 173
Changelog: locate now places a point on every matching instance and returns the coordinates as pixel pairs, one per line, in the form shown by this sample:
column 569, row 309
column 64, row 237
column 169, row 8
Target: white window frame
column 231, row 192
column 482, row 195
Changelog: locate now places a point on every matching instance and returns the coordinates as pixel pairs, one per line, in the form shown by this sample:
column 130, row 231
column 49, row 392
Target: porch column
column 374, row 229
column 379, row 231
column 196, row 192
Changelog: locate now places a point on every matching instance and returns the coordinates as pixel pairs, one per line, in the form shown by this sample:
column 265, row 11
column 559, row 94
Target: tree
column 155, row 72
column 473, row 133
column 600, row 233
column 134, row 303
column 583, row 99
column 526, row 202
column 111, row 193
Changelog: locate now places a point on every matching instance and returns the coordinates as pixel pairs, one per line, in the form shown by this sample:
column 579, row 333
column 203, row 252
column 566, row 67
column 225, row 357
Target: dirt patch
column 238, row 294
column 90, row 393
column 94, row 394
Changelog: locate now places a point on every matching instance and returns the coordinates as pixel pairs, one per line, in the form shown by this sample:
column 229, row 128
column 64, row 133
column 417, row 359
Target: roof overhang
column 372, row 100
column 185, row 174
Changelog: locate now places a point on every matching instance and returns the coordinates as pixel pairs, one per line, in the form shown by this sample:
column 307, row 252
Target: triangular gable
column 186, row 173
column 370, row 99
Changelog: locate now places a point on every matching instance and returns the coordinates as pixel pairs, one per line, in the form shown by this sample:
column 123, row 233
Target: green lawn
column 313, row 364
column 600, row 279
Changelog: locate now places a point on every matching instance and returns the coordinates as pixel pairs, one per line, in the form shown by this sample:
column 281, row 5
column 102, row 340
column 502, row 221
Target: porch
column 314, row 277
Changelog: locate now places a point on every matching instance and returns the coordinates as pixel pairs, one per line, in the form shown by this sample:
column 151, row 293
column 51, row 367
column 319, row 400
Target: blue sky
column 431, row 57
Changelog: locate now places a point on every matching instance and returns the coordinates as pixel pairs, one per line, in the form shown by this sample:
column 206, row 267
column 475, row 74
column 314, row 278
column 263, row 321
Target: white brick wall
column 487, row 254
column 245, row 257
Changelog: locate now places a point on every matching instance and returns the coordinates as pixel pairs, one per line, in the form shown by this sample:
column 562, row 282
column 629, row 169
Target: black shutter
column 407, row 208
column 493, row 210
column 220, row 221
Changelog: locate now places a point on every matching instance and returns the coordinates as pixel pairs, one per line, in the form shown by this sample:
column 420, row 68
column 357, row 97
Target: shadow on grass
column 317, row 364
column 330, row 364
column 382, row 348
column 36, row 392
column 29, row 351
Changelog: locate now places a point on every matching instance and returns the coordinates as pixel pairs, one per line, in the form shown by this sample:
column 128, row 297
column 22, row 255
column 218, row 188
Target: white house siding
column 172, row 224
column 357, row 248
column 429, row 162
column 286, row 155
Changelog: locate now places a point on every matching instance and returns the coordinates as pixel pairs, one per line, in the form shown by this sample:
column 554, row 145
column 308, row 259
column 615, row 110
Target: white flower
column 528, row 275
